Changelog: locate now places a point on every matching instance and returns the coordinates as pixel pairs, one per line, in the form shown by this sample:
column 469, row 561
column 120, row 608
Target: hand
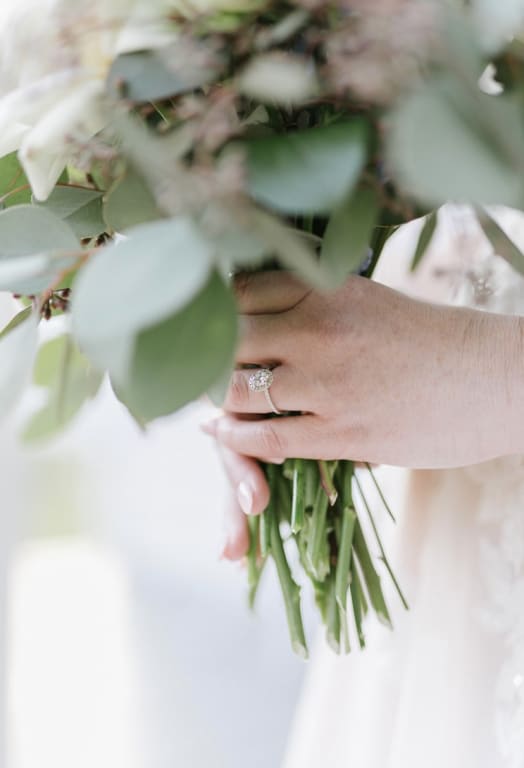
column 376, row 376
column 249, row 496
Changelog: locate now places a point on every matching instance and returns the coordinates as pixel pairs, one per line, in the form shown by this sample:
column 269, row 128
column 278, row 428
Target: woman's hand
column 376, row 376
column 249, row 496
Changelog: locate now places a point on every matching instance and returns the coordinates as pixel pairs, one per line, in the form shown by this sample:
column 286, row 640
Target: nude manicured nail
column 245, row 497
column 209, row 427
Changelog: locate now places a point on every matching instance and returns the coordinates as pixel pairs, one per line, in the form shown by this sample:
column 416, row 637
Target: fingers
column 263, row 340
column 282, row 437
column 247, row 480
column 288, row 392
column 236, row 531
column 268, row 292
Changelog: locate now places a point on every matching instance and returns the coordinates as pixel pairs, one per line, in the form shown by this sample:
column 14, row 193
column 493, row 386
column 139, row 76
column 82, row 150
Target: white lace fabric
column 446, row 688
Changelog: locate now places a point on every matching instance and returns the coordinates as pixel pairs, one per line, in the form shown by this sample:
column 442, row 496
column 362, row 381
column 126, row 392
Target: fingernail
column 276, row 461
column 209, row 427
column 245, row 497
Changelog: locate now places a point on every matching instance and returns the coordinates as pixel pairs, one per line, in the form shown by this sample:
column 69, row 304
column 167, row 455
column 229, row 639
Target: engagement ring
column 260, row 381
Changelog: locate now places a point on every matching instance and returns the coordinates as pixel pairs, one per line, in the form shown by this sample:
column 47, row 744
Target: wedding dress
column 445, row 689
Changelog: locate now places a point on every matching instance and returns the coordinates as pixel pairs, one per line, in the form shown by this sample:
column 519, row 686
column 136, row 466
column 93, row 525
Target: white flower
column 54, row 59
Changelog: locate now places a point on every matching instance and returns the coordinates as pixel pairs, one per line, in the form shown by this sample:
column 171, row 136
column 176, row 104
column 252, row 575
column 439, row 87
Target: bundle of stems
column 312, row 504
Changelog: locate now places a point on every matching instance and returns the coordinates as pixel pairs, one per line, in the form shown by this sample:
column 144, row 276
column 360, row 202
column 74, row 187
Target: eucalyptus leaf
column 129, row 202
column 69, row 379
column 158, row 161
column 132, row 285
column 240, row 248
column 80, row 207
column 158, row 74
column 348, row 234
column 448, row 142
column 35, row 248
column 19, row 318
column 30, row 229
column 307, row 171
column 17, row 353
column 502, row 244
column 30, row 275
column 424, row 239
column 14, row 186
column 188, row 352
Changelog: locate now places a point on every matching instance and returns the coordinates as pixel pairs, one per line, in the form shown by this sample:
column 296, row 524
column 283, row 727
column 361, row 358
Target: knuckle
column 271, row 442
column 242, row 283
column 238, row 390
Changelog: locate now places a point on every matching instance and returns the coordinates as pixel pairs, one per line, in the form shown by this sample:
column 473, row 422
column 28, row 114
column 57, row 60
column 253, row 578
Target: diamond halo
column 261, row 380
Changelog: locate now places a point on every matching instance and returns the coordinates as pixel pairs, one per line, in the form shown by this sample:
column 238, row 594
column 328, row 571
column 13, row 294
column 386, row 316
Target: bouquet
column 151, row 150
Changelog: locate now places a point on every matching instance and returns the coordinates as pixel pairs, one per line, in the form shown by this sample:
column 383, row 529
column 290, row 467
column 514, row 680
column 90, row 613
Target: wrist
column 508, row 345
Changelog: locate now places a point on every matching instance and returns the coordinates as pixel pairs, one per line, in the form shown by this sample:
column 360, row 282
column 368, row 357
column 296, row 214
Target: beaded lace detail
column 489, row 283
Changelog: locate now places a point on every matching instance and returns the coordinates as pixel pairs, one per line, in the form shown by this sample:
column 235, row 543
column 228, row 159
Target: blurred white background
column 126, row 641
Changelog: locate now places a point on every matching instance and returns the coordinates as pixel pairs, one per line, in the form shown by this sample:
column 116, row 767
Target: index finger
column 270, row 292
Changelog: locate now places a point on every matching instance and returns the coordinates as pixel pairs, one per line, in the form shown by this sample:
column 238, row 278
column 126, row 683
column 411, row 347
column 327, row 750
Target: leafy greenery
column 132, row 285
column 251, row 135
column 425, row 238
column 348, row 233
column 80, row 207
column 14, row 186
column 68, row 379
column 150, row 75
column 307, row 171
column 129, row 202
column 502, row 244
column 188, row 352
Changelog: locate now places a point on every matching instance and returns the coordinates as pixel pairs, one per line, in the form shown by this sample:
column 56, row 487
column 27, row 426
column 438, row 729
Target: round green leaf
column 29, row 229
column 30, row 275
column 177, row 360
column 81, row 208
column 69, row 380
column 35, row 247
column 449, row 143
column 307, row 171
column 154, row 75
column 129, row 202
column 134, row 284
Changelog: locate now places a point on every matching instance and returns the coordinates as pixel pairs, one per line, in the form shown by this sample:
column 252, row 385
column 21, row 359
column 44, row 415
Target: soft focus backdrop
column 128, row 642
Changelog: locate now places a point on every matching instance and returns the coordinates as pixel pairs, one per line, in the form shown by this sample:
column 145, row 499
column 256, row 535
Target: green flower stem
column 317, row 535
column 379, row 542
column 265, row 517
column 265, row 531
column 359, row 603
column 371, row 577
column 298, row 500
column 379, row 491
column 253, row 566
column 283, row 495
column 311, row 483
column 290, row 591
column 333, row 624
column 326, row 479
column 342, row 576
